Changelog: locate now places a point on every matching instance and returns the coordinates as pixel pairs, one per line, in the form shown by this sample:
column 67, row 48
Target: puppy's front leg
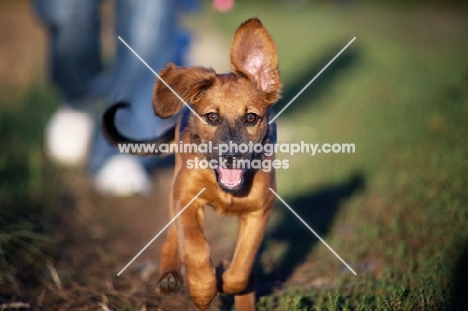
column 251, row 229
column 170, row 275
column 195, row 253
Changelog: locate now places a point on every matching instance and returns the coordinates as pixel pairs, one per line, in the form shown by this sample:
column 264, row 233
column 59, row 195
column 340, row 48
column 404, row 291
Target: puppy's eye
column 212, row 118
column 250, row 118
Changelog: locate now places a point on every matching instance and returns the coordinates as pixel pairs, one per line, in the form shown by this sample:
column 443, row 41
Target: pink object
column 223, row 5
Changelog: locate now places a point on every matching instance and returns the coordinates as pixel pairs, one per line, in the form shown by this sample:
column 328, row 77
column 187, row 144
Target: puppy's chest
column 226, row 204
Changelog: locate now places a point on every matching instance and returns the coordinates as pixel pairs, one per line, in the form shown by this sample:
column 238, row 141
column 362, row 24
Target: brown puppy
column 236, row 108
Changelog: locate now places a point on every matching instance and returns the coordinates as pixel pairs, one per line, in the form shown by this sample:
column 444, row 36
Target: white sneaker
column 68, row 135
column 122, row 175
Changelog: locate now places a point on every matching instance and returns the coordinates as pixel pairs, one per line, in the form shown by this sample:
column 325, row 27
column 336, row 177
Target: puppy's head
column 234, row 105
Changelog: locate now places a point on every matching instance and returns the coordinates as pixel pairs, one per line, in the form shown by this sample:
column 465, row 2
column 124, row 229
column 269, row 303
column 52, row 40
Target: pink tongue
column 231, row 176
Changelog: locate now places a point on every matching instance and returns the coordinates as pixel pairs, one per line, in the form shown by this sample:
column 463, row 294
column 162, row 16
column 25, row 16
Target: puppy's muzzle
column 230, row 171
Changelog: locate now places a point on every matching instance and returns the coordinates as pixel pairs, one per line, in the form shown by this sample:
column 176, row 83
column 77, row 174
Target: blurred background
column 396, row 210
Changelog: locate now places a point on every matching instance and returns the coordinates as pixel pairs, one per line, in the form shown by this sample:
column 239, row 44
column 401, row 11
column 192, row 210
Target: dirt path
column 98, row 235
column 101, row 235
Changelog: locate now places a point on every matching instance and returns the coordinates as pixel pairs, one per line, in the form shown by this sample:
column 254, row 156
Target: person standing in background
column 73, row 136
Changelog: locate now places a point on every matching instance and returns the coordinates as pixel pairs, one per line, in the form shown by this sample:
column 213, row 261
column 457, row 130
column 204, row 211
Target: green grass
column 399, row 93
column 28, row 203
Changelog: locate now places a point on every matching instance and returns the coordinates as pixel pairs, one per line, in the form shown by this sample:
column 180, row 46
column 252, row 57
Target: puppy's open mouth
column 230, row 178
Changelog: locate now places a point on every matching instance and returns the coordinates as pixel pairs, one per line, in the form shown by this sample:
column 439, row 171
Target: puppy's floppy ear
column 253, row 54
column 188, row 83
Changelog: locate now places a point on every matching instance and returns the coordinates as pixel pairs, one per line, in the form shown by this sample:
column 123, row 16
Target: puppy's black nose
column 231, row 158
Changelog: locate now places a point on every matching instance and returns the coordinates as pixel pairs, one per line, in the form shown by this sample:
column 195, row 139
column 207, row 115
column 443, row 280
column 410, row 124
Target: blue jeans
column 148, row 26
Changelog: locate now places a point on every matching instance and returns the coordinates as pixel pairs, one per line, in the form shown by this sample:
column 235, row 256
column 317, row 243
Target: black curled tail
column 113, row 136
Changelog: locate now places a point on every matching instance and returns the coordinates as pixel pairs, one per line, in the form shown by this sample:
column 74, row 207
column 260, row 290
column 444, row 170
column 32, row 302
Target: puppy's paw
column 202, row 302
column 235, row 282
column 202, row 288
column 170, row 282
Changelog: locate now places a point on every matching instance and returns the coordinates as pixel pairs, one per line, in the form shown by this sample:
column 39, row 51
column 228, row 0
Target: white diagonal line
column 310, row 82
column 159, row 77
column 312, row 230
column 162, row 230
